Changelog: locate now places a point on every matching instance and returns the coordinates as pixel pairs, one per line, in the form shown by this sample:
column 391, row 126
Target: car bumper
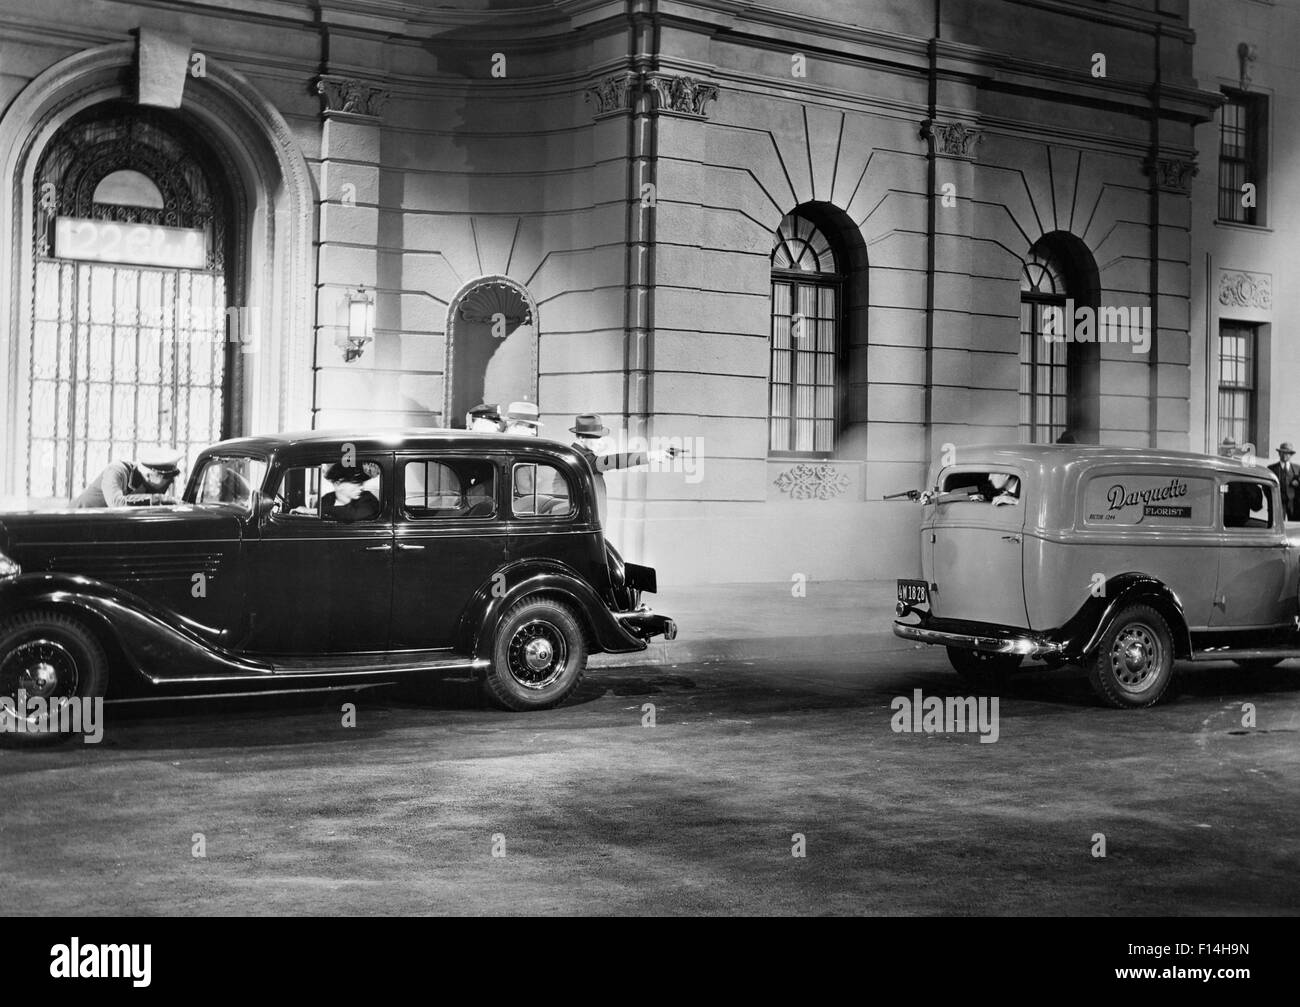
column 989, row 639
column 645, row 625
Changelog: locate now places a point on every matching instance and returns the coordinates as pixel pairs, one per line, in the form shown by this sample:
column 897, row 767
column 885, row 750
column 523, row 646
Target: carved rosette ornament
column 1239, row 289
column 1173, row 174
column 355, row 97
column 615, row 93
column 951, row 139
column 681, row 94
column 812, row 482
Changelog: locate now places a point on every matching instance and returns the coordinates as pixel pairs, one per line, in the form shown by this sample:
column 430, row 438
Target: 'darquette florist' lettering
column 1108, row 324
column 953, row 715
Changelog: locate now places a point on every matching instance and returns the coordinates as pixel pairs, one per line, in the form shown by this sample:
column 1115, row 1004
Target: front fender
column 157, row 644
column 1087, row 626
column 476, row 633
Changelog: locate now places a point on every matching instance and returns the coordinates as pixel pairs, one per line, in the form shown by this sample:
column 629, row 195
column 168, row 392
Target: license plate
column 914, row 592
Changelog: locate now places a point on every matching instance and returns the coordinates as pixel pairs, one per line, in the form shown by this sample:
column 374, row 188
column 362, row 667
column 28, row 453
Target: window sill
column 1234, row 225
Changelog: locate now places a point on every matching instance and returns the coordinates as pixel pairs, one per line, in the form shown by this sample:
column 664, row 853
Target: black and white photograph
column 651, row 458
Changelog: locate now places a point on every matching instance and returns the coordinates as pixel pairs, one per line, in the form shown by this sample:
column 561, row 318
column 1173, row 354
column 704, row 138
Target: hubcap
column 40, row 669
column 1136, row 657
column 537, row 655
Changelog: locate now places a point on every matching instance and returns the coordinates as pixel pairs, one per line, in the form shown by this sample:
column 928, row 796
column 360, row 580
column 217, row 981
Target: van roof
column 1050, row 456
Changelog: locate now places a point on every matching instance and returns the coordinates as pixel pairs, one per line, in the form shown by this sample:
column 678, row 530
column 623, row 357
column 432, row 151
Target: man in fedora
column 522, row 418
column 1288, row 474
column 147, row 480
column 590, row 433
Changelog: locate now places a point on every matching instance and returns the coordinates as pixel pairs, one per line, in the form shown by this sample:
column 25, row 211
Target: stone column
column 345, row 390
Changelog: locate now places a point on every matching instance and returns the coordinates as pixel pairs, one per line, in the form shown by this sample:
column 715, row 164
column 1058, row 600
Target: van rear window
column 1153, row 501
column 996, row 487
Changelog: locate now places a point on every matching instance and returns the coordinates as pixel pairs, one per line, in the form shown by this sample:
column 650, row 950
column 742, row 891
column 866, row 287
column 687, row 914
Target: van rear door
column 973, row 547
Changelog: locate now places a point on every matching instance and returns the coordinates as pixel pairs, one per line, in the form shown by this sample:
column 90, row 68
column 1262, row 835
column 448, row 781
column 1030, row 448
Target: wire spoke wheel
column 537, row 655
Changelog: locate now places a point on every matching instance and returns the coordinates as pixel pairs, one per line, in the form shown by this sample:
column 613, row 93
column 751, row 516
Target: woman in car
column 350, row 500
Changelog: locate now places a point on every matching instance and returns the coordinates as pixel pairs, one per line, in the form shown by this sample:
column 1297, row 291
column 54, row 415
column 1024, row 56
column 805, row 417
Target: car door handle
column 386, row 547
column 1010, row 538
column 403, row 545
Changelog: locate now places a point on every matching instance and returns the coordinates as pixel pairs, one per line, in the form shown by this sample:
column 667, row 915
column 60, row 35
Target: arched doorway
column 270, row 226
column 491, row 347
column 132, row 259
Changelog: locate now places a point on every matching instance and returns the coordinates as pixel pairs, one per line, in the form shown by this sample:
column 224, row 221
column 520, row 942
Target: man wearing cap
column 147, row 480
column 590, row 432
column 1288, row 475
column 484, row 418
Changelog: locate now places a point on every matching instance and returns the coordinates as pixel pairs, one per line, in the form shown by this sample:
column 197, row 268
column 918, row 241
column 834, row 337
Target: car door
column 449, row 538
column 1254, row 587
column 315, row 585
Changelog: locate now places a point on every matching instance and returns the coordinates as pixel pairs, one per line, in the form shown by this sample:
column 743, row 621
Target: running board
column 394, row 664
column 1246, row 654
column 342, row 666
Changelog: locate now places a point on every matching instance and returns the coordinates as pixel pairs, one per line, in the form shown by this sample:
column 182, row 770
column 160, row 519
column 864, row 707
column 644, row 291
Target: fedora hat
column 589, row 425
column 1287, row 447
column 523, row 412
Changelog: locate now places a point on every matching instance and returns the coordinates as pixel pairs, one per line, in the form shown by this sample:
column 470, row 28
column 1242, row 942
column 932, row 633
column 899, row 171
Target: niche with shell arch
column 491, row 347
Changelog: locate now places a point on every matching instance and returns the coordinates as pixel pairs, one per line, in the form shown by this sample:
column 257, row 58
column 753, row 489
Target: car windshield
column 229, row 481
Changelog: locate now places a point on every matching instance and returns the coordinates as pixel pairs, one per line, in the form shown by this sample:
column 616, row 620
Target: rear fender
column 1089, row 624
column 476, row 634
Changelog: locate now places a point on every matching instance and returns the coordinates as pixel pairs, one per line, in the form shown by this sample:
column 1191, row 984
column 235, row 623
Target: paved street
column 596, row 813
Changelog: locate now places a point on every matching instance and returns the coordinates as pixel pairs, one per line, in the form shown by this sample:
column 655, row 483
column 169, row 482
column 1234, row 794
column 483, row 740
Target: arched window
column 1058, row 378
column 807, row 306
column 1044, row 389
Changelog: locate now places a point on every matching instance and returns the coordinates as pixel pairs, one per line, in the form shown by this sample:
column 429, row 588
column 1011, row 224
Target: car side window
column 449, row 488
column 331, row 492
column 540, row 490
column 1247, row 505
column 999, row 488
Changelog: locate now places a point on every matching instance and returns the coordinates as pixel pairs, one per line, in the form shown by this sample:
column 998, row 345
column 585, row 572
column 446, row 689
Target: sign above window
column 136, row 244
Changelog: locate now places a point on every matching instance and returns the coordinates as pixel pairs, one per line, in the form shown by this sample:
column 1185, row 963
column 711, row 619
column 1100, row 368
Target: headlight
column 8, row 568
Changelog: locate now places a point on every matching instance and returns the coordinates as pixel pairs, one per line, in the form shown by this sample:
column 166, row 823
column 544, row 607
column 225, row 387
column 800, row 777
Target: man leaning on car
column 147, row 480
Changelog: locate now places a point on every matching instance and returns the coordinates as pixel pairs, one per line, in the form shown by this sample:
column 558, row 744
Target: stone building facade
column 810, row 244
column 1246, row 222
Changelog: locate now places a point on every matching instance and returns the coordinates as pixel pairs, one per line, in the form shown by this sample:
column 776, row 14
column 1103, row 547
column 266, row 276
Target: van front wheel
column 1134, row 662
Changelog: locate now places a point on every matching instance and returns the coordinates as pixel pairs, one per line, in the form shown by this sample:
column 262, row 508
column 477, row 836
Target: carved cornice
column 353, row 96
column 1240, row 289
column 951, row 139
column 812, row 482
column 680, row 94
column 1173, row 174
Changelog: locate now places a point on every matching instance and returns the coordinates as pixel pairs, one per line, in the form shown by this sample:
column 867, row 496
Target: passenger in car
column 1000, row 489
column 350, row 500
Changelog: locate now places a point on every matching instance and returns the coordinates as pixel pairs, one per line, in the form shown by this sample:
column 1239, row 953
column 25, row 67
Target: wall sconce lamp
column 1246, row 55
column 361, row 323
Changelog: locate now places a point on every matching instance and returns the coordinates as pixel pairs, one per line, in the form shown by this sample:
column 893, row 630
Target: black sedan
column 326, row 558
